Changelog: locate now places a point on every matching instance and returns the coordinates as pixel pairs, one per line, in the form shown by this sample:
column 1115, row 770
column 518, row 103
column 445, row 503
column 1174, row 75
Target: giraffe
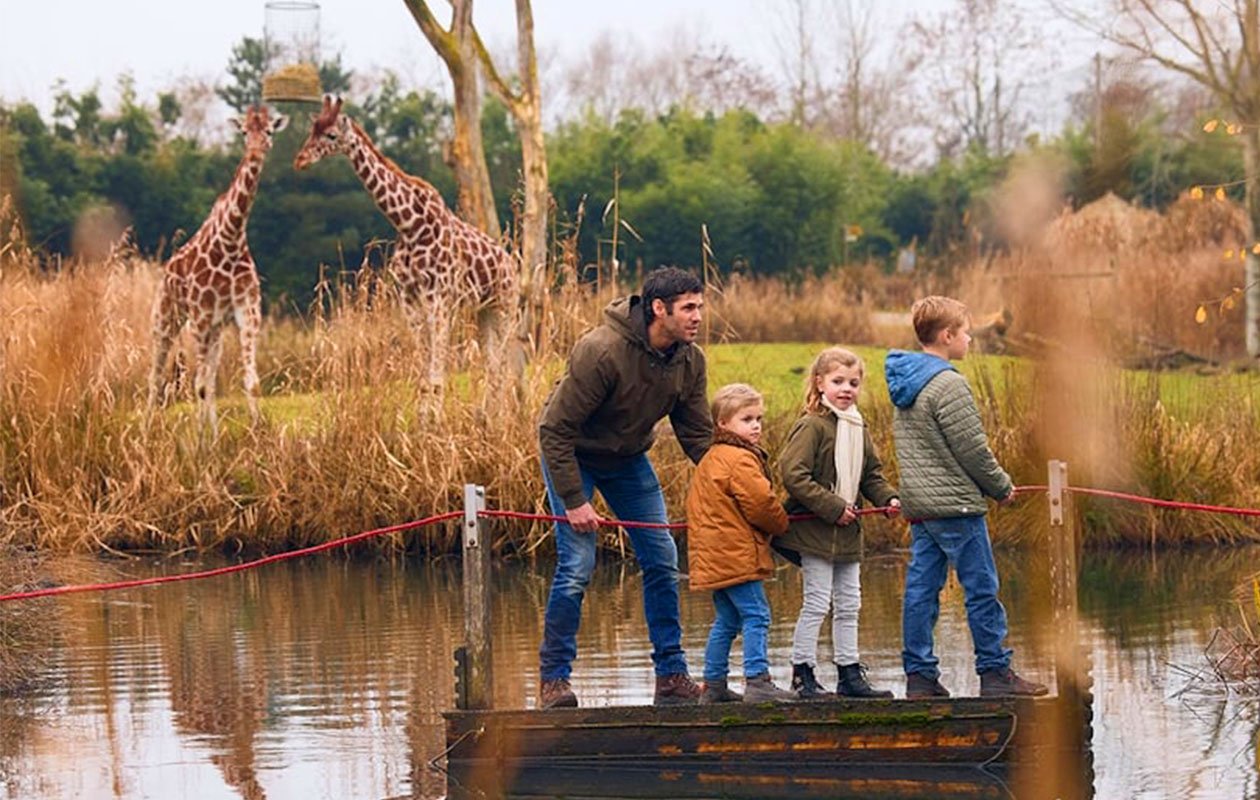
column 438, row 260
column 211, row 279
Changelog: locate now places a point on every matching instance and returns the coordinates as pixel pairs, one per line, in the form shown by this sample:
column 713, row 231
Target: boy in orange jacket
column 732, row 513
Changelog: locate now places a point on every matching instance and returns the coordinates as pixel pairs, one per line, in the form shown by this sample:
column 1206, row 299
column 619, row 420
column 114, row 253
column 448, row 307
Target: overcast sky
column 160, row 41
column 163, row 43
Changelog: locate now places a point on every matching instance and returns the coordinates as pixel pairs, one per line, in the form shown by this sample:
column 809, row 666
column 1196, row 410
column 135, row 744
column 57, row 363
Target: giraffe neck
column 237, row 200
column 411, row 204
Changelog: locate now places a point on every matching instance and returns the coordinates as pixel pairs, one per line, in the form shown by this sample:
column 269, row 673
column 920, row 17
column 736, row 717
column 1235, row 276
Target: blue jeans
column 935, row 545
column 633, row 492
column 742, row 607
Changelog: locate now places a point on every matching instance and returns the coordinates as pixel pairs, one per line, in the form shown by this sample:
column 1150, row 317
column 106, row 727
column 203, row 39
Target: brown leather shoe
column 676, row 690
column 1005, row 683
column 557, row 694
column 921, row 687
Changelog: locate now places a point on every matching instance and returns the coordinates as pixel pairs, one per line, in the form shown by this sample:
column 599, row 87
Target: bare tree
column 871, row 98
column 679, row 72
column 458, row 50
column 795, row 41
column 978, row 59
column 525, row 104
column 1217, row 45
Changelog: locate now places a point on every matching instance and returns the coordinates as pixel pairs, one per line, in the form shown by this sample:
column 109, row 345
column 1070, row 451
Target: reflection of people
column 947, row 469
column 732, row 513
column 638, row 366
column 828, row 463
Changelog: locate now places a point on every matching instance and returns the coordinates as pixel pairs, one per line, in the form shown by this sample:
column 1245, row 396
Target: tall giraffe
column 211, row 279
column 439, row 261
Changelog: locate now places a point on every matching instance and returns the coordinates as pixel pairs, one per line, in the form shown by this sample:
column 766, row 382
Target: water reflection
column 322, row 678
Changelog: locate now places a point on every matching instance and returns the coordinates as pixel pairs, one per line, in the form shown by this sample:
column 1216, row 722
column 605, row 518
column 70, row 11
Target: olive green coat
column 808, row 466
column 616, row 388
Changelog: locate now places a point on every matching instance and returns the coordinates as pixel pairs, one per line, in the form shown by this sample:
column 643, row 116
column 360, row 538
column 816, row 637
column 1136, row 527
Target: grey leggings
column 834, row 587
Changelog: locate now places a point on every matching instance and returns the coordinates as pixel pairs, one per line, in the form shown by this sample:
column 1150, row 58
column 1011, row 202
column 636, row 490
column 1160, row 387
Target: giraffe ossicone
column 212, row 280
column 439, row 261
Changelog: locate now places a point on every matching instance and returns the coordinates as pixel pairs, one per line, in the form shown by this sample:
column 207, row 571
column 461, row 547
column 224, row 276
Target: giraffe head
column 330, row 133
column 258, row 127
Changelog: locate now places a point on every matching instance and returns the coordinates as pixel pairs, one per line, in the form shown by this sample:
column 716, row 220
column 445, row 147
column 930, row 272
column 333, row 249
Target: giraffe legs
column 166, row 324
column 209, row 349
column 501, row 342
column 431, row 326
column 248, row 323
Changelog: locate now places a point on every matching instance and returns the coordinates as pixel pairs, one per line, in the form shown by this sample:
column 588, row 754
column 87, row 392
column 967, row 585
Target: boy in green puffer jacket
column 946, row 470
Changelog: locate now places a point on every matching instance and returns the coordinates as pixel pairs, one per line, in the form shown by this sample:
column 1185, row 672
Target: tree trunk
column 1251, row 172
column 526, row 109
column 458, row 50
column 537, row 193
column 476, row 196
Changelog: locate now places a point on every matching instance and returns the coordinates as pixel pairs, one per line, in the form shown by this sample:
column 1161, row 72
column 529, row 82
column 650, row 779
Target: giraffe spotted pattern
column 212, row 280
column 439, row 261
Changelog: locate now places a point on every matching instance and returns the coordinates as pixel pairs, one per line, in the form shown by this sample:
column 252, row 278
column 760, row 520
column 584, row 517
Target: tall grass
column 351, row 438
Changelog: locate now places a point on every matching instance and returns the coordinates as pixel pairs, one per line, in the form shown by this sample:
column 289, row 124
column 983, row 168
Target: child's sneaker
column 760, row 689
column 716, row 691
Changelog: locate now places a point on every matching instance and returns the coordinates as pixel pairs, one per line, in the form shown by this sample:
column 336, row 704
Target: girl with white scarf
column 827, row 464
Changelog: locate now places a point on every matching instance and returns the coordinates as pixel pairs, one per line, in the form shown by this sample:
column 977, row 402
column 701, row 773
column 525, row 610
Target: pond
column 326, row 678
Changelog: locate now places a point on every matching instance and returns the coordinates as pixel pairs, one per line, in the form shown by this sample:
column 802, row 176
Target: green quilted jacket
column 945, row 466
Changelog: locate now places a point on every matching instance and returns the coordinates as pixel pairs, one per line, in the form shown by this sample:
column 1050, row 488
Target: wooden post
column 1063, row 540
column 477, row 689
column 1073, row 711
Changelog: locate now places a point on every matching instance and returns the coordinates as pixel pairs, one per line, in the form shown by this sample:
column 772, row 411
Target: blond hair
column 824, row 363
column 732, row 398
column 933, row 314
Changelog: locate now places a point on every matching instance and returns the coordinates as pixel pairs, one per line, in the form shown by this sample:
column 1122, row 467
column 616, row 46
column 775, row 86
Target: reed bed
column 352, row 439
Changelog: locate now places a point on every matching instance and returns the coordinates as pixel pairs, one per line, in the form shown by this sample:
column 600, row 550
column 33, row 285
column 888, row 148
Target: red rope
column 673, row 526
column 450, row 515
column 101, row 587
column 1150, row 501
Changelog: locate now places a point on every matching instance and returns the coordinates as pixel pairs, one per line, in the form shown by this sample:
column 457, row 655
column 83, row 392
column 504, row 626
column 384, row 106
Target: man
column 638, row 366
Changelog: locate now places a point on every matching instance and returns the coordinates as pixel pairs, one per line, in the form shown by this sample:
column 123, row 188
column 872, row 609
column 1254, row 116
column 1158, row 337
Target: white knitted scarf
column 850, row 450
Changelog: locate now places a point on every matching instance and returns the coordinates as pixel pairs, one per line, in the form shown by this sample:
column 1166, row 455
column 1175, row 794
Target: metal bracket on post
column 474, row 504
column 1058, row 486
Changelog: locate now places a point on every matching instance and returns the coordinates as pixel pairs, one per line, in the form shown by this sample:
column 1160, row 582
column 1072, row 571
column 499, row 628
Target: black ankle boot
column 806, row 685
column 853, row 683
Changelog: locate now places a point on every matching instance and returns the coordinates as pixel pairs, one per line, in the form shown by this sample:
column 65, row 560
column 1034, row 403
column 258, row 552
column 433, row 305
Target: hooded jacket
column 944, row 462
column 732, row 513
column 808, row 467
column 614, row 390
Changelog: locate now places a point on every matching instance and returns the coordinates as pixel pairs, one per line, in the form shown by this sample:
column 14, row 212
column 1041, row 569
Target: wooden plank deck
column 952, row 731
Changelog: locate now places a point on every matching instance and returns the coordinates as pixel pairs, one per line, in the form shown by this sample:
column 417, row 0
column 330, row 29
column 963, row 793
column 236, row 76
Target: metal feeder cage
column 291, row 38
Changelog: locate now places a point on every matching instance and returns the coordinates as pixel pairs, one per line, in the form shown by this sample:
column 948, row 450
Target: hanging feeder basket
column 291, row 37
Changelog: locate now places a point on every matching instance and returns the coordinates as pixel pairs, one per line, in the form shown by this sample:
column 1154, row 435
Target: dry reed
column 351, row 439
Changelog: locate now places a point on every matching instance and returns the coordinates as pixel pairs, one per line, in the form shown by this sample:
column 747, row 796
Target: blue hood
column 907, row 373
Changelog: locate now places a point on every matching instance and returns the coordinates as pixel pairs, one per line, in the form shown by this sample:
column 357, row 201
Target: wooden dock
column 967, row 731
column 840, row 748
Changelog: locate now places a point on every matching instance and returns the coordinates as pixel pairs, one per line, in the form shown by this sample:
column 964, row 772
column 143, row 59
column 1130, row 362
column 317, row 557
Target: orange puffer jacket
column 732, row 513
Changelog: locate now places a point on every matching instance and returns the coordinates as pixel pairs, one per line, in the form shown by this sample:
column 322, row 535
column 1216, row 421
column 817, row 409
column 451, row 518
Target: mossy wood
column 952, row 731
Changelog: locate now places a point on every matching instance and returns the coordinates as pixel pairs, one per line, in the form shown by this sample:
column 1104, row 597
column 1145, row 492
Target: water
column 320, row 678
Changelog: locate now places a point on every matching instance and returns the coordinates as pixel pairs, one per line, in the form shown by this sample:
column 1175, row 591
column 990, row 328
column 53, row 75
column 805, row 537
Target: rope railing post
column 1063, row 544
column 475, row 687
column 1071, row 677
